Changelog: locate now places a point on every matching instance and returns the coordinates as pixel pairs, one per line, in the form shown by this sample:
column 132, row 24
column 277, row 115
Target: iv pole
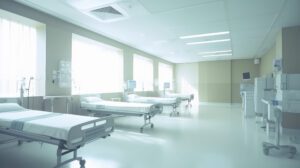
column 28, row 91
column 22, row 90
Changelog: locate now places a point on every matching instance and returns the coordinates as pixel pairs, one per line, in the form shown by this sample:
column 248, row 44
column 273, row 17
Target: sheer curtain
column 18, row 52
column 143, row 73
column 96, row 67
column 165, row 74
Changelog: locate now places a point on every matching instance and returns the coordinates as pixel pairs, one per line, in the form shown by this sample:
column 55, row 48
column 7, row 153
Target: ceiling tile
column 158, row 6
column 156, row 25
column 239, row 9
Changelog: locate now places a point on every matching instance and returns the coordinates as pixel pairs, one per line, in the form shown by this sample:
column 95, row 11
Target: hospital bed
column 183, row 97
column 164, row 101
column 69, row 132
column 100, row 106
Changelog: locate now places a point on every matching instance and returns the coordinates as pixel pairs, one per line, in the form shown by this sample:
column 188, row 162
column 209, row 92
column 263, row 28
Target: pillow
column 92, row 99
column 132, row 96
column 6, row 107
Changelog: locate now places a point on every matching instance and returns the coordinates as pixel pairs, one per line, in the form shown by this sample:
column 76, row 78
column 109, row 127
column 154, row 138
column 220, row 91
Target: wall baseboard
column 221, row 104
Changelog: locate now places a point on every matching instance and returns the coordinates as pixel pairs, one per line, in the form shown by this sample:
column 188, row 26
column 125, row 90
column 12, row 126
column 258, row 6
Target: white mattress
column 179, row 95
column 158, row 100
column 56, row 126
column 117, row 106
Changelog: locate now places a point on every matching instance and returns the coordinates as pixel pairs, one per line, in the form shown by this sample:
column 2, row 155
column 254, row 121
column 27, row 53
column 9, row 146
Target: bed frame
column 78, row 136
column 147, row 115
column 189, row 100
column 174, row 106
column 183, row 98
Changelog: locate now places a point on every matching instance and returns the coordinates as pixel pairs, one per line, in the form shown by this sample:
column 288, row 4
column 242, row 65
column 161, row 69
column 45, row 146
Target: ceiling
column 155, row 26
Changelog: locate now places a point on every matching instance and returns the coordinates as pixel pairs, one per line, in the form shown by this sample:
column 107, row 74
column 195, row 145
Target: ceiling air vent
column 108, row 13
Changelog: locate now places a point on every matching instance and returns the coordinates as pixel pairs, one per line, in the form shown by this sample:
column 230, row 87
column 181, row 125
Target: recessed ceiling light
column 206, row 42
column 214, row 52
column 204, row 35
column 217, row 55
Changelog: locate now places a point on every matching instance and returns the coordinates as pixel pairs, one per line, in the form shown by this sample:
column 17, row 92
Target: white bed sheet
column 180, row 95
column 158, row 100
column 57, row 126
column 118, row 106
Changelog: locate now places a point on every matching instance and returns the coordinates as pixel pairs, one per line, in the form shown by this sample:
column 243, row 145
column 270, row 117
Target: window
column 18, row 57
column 165, row 74
column 143, row 73
column 96, row 67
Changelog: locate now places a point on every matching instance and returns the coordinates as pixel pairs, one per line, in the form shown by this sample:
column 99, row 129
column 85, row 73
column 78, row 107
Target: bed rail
column 89, row 131
column 78, row 136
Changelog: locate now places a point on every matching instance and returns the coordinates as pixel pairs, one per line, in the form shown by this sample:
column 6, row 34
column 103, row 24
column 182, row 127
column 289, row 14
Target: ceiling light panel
column 198, row 49
column 208, row 42
column 204, row 35
column 215, row 52
column 217, row 55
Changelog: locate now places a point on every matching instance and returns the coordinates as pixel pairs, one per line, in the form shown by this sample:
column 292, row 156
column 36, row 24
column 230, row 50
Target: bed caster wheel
column 291, row 156
column 266, row 145
column 20, row 142
column 152, row 125
column 82, row 163
column 292, row 152
column 266, row 151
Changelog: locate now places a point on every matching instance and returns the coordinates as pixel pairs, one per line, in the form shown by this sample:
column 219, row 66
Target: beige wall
column 187, row 79
column 215, row 81
column 287, row 48
column 291, row 49
column 279, row 45
column 237, row 68
column 58, row 47
column 266, row 63
column 266, row 66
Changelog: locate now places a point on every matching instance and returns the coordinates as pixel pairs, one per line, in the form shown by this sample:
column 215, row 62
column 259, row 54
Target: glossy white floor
column 213, row 136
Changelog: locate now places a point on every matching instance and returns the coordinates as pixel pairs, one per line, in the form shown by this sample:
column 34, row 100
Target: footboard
column 89, row 131
column 156, row 109
column 178, row 101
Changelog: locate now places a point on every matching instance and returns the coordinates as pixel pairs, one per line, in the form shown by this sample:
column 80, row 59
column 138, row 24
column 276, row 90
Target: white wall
column 187, row 79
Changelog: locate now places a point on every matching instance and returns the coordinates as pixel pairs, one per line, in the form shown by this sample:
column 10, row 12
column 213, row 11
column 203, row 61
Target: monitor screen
column 246, row 75
column 166, row 85
column 131, row 84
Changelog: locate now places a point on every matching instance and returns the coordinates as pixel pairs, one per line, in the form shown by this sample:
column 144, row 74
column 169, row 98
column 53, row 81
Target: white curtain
column 143, row 73
column 96, row 67
column 18, row 52
column 165, row 74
